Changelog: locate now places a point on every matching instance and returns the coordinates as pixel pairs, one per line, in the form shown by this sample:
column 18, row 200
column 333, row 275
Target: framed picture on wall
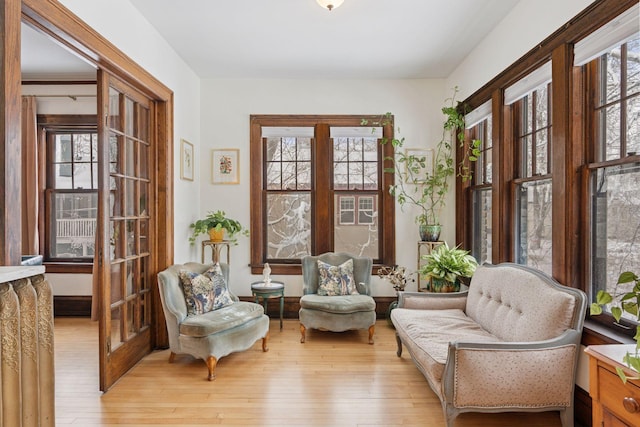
column 418, row 156
column 225, row 166
column 186, row 160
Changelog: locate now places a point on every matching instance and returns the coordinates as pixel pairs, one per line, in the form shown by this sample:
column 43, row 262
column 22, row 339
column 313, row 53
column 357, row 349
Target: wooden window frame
column 321, row 240
column 570, row 222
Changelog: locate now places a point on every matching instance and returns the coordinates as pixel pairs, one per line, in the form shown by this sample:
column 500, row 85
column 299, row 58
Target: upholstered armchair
column 336, row 294
column 227, row 325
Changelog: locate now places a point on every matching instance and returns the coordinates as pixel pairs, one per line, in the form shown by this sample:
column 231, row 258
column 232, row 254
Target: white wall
column 227, row 105
column 122, row 24
column 528, row 24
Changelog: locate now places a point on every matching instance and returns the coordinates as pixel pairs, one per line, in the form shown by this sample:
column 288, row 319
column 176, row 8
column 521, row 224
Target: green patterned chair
column 336, row 294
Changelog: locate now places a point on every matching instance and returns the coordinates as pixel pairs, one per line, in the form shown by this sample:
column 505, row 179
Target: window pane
column 611, row 64
column 533, row 232
column 542, row 108
column 541, row 153
column 610, row 122
column 481, row 243
column 358, row 238
column 288, row 225
column 633, row 125
column 74, row 216
column 351, row 171
column 63, row 176
column 615, row 223
column 63, row 151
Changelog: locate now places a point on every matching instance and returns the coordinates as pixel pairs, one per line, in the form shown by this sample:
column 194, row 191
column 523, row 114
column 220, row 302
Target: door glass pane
column 130, row 197
column 116, row 336
column 356, row 232
column 129, row 109
column 114, row 121
column 114, row 153
column 144, row 161
column 130, row 158
column 116, row 234
column 131, row 315
column 288, row 225
column 131, row 237
column 130, row 288
column 117, row 277
column 534, row 224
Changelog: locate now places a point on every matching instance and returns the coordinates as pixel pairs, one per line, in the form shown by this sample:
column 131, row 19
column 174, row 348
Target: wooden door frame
column 61, row 24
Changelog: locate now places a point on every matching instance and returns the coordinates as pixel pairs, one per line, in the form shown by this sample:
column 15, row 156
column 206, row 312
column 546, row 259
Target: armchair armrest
column 432, row 301
column 521, row 375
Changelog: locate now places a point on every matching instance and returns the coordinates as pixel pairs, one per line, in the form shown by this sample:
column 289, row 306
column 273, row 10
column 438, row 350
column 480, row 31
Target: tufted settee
column 212, row 335
column 508, row 343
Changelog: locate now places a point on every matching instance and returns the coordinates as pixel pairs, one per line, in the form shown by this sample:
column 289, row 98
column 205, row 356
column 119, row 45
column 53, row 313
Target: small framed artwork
column 225, row 166
column 186, row 160
column 416, row 157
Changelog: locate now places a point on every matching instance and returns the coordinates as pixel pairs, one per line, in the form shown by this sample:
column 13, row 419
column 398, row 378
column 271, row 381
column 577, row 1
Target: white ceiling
column 289, row 39
column 299, row 39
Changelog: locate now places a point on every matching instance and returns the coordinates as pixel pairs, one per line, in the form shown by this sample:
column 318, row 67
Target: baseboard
column 72, row 306
column 292, row 306
column 582, row 407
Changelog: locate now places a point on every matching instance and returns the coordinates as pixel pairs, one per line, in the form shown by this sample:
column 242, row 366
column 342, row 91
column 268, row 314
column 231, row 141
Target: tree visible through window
column 323, row 189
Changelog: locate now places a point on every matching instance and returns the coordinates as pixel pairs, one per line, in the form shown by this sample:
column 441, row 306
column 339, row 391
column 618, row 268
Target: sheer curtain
column 30, row 177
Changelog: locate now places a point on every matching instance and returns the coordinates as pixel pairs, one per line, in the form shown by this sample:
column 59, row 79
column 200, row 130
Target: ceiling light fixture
column 330, row 4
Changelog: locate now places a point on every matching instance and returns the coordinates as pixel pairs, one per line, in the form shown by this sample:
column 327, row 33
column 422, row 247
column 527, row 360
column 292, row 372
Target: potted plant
column 627, row 301
column 444, row 266
column 216, row 223
column 423, row 182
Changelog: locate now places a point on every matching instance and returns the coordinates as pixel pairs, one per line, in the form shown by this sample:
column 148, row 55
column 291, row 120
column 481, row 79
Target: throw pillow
column 205, row 292
column 336, row 279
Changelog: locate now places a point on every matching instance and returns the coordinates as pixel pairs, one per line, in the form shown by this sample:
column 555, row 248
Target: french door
column 126, row 202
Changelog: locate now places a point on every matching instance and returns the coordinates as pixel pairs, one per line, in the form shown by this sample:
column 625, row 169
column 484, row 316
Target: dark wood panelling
column 292, row 306
column 582, row 408
column 10, row 131
column 72, row 306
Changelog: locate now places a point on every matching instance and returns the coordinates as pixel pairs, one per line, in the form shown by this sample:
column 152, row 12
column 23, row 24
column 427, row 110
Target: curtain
column 30, row 181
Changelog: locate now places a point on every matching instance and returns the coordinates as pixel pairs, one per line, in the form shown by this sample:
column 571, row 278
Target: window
column 615, row 170
column 71, row 195
column 479, row 127
column 322, row 189
column 533, row 185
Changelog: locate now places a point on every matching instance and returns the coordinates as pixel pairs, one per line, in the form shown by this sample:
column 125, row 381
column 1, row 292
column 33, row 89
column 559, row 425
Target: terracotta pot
column 216, row 235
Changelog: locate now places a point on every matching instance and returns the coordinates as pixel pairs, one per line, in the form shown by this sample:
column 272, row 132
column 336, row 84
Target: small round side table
column 265, row 291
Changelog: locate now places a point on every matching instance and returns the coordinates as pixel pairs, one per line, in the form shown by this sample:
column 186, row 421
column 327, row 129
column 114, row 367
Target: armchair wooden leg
column 371, row 329
column 172, row 357
column 302, row 332
column 399, row 351
column 211, row 366
column 265, row 342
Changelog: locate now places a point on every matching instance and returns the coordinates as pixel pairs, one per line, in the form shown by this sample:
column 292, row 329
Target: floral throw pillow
column 336, row 279
column 205, row 292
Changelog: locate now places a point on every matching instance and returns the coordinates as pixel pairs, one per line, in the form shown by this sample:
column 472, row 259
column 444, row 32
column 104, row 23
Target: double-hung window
column 319, row 186
column 479, row 127
column 71, row 195
column 530, row 101
column 613, row 152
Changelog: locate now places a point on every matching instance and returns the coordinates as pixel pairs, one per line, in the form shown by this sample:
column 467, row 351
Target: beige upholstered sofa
column 214, row 334
column 509, row 343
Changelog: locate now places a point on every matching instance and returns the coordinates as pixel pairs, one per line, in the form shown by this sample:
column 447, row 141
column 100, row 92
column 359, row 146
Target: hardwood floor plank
column 331, row 380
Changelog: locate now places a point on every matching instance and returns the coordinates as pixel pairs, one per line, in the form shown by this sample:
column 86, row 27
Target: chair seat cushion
column 339, row 304
column 220, row 320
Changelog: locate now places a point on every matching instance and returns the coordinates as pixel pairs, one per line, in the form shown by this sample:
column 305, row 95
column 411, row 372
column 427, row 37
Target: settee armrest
column 433, row 300
column 512, row 374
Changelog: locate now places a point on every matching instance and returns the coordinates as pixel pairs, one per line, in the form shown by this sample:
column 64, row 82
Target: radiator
column 27, row 390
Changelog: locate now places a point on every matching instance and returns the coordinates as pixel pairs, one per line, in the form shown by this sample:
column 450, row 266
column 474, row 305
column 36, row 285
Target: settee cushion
column 204, row 292
column 336, row 279
column 341, row 304
column 220, row 320
column 429, row 345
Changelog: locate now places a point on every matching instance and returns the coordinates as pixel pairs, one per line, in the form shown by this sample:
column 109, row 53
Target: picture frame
column 187, row 160
column 427, row 153
column 225, row 166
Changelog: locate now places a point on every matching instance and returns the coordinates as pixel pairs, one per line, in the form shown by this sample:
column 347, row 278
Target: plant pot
column 442, row 285
column 429, row 232
column 216, row 235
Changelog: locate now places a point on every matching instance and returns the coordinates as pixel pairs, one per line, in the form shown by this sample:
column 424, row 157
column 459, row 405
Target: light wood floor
column 334, row 379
